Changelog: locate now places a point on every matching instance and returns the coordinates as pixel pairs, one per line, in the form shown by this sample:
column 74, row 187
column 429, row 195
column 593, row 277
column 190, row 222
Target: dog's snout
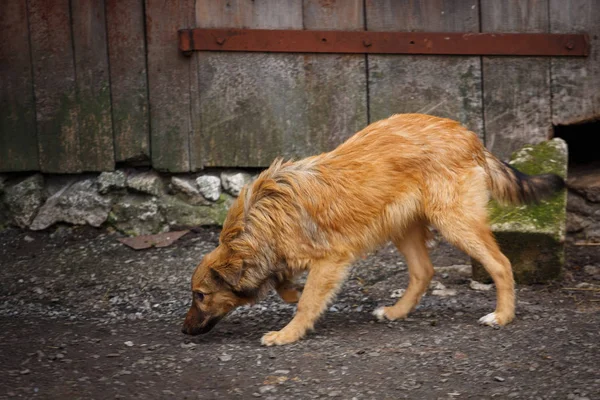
column 197, row 322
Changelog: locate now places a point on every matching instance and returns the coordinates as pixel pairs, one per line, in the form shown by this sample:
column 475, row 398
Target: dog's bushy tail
column 510, row 186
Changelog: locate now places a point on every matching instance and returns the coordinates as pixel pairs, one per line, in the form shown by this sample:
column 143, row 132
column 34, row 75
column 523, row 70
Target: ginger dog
column 388, row 182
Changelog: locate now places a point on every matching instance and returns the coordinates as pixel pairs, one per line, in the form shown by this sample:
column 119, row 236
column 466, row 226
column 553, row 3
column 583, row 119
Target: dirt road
column 84, row 317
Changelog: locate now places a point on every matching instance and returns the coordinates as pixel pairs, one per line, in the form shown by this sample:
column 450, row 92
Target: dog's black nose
column 184, row 330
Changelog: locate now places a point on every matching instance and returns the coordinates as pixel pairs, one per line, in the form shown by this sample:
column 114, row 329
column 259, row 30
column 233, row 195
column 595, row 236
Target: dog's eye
column 199, row 296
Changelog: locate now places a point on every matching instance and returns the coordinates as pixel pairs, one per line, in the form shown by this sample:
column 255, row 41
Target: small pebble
column 444, row 292
column 265, row 389
column 282, row 372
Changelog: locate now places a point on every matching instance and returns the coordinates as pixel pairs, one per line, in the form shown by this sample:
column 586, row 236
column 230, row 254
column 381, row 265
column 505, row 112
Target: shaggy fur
column 388, row 182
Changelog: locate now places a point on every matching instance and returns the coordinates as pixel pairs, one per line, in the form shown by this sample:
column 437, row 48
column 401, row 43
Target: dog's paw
column 489, row 320
column 379, row 313
column 494, row 319
column 390, row 313
column 278, row 338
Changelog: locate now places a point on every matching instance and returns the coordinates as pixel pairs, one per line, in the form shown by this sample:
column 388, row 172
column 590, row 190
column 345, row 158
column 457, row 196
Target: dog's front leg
column 323, row 281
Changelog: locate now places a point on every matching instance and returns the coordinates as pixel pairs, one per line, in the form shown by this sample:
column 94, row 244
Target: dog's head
column 213, row 290
column 236, row 273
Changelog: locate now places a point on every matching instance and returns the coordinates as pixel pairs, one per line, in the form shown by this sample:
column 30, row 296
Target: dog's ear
column 229, row 273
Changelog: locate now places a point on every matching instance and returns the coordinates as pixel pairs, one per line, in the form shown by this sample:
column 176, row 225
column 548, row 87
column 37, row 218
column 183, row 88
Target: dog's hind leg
column 413, row 246
column 474, row 237
column 322, row 282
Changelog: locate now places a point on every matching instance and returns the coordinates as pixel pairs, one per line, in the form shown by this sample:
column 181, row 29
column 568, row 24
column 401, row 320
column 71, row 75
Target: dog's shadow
column 241, row 328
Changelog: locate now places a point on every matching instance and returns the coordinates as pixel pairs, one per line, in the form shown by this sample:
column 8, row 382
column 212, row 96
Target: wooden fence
column 87, row 84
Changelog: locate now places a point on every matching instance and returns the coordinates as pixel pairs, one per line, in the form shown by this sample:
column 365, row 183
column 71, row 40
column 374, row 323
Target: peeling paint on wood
column 18, row 141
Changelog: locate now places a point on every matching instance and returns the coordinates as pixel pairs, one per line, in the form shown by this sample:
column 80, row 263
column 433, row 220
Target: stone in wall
column 23, row 199
column 209, row 186
column 111, row 181
column 77, row 203
column 183, row 214
column 137, row 214
column 148, row 182
column 234, row 181
column 587, row 185
column 133, row 202
column 186, row 190
column 583, row 206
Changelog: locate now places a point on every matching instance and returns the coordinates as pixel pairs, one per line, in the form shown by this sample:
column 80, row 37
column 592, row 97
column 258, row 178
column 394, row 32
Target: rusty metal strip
column 294, row 41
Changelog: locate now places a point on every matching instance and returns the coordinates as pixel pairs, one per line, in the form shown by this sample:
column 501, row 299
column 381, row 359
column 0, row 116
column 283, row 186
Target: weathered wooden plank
column 333, row 15
column 54, row 86
column 516, row 90
column 169, row 72
column 255, row 107
column 128, row 79
column 576, row 81
column 251, row 105
column 96, row 145
column 439, row 85
column 197, row 147
column 18, row 141
column 268, row 14
column 337, row 84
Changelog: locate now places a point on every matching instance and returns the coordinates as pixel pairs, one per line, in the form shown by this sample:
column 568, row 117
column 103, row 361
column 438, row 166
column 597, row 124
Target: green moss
column 182, row 213
column 222, row 198
column 550, row 214
column 219, row 212
column 546, row 157
column 545, row 216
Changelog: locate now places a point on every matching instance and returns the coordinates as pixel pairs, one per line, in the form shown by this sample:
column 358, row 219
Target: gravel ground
column 83, row 316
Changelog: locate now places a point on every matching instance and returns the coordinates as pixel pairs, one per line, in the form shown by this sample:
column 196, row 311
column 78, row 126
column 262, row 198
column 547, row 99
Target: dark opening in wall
column 582, row 139
column 583, row 205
